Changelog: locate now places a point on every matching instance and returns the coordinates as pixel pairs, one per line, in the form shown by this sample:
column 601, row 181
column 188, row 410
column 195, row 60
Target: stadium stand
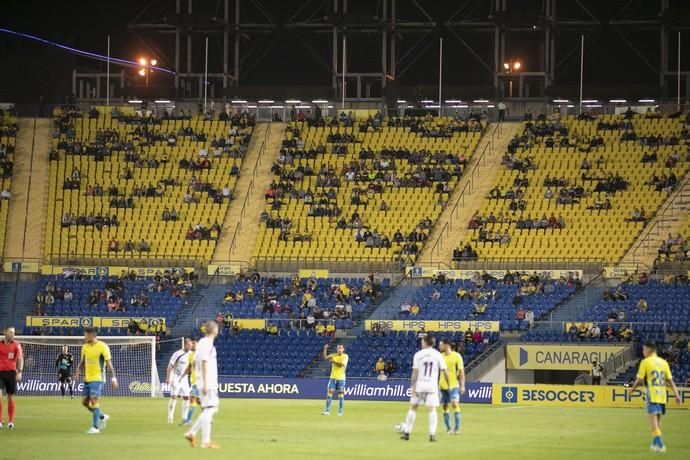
column 128, row 186
column 286, row 354
column 8, row 135
column 362, row 190
column 125, row 296
column 341, row 300
column 655, row 301
column 398, row 348
column 578, row 188
column 488, row 299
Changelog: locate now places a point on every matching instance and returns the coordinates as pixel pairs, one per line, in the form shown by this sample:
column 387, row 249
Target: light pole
column 146, row 68
column 511, row 67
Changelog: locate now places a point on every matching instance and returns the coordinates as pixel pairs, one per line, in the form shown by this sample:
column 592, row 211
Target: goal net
column 134, row 360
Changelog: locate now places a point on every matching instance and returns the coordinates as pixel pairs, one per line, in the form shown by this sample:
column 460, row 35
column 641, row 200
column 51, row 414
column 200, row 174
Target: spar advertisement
column 262, row 387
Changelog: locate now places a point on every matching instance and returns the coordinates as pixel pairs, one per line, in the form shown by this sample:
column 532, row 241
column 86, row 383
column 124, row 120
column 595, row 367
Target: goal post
column 133, row 357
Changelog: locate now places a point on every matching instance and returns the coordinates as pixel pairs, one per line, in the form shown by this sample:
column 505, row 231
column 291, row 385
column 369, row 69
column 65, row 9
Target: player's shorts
column 336, row 385
column 448, row 396
column 194, row 391
column 655, row 408
column 8, row 382
column 64, row 376
column 93, row 390
column 178, row 388
column 425, row 399
column 210, row 399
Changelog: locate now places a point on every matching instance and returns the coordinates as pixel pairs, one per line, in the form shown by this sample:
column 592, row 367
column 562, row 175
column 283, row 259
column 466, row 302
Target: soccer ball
column 400, row 427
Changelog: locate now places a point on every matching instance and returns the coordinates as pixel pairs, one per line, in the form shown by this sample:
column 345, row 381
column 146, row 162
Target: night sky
column 31, row 70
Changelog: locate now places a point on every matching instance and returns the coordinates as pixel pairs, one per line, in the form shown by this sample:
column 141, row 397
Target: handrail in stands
column 448, row 226
column 661, row 212
column 250, row 188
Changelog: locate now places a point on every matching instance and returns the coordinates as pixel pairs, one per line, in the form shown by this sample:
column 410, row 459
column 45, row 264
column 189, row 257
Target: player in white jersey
column 178, row 386
column 426, row 366
column 206, row 369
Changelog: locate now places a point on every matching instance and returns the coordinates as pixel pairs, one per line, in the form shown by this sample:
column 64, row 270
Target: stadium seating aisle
column 371, row 192
column 9, row 124
column 568, row 187
column 127, row 187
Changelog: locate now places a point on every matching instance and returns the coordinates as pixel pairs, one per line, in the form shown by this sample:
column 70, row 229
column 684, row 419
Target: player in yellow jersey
column 655, row 374
column 453, row 386
column 337, row 381
column 95, row 357
column 194, row 392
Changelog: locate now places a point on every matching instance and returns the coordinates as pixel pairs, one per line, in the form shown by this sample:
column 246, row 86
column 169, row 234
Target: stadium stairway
column 29, row 202
column 251, row 184
column 389, row 308
column 670, row 218
column 481, row 183
column 579, row 301
column 186, row 319
column 21, row 295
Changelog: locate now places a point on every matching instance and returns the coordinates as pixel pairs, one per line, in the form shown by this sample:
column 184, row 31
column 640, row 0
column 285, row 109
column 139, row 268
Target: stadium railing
column 618, row 362
column 589, row 267
column 562, row 325
column 250, row 188
column 668, row 209
column 448, row 226
column 354, row 265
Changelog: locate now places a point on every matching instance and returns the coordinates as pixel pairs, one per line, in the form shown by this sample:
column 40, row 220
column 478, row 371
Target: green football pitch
column 49, row 428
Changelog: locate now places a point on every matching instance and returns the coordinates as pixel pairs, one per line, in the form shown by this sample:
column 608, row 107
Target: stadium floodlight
column 135, row 101
column 266, row 101
column 561, row 101
column 481, row 101
column 319, row 101
column 146, row 67
column 617, row 101
column 162, row 101
column 646, row 101
column 238, row 101
column 589, row 101
column 292, row 101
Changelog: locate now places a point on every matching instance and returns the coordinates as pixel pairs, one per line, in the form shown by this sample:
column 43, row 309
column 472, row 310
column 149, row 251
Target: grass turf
column 263, row 429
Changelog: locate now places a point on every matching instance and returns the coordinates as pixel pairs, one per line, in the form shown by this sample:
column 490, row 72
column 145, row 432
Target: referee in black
column 64, row 363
